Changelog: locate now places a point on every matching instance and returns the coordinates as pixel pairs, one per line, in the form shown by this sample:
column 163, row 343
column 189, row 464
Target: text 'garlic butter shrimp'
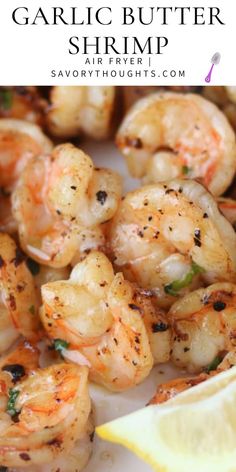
column 76, row 110
column 169, row 135
column 59, row 198
column 203, row 325
column 43, row 415
column 97, row 319
column 20, row 141
column 18, row 302
column 164, row 235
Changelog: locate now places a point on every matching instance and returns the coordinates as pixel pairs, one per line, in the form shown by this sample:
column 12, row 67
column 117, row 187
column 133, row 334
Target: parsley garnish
column 186, row 170
column 174, row 287
column 33, row 266
column 6, row 98
column 32, row 309
column 60, row 344
column 213, row 365
column 13, row 394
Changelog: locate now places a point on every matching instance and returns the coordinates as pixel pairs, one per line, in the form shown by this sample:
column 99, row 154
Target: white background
column 29, row 53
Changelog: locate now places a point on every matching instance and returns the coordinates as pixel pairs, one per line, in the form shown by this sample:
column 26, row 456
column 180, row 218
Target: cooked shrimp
column 171, row 388
column 76, row 110
column 22, row 103
column 16, row 365
column 203, row 325
column 19, row 142
column 59, row 198
column 169, row 135
column 43, row 415
column 18, row 305
column 97, row 319
column 71, row 461
column 165, row 236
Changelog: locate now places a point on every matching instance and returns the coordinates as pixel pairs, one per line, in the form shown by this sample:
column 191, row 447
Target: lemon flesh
column 193, row 432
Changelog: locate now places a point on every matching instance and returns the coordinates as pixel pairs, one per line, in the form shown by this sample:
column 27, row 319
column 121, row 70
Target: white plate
column 109, row 457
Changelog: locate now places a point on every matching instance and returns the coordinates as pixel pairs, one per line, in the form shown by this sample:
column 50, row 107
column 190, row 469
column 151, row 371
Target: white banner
column 101, row 42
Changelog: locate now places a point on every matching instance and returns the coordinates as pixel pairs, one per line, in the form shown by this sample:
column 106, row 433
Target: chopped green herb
column 6, row 98
column 33, row 266
column 186, row 170
column 213, row 365
column 13, row 394
column 32, row 309
column 60, row 344
column 174, row 287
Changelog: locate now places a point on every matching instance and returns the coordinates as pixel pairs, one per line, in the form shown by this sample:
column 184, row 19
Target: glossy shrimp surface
column 18, row 300
column 203, row 326
column 96, row 314
column 169, row 135
column 20, row 141
column 43, row 413
column 166, row 236
column 59, row 198
column 86, row 110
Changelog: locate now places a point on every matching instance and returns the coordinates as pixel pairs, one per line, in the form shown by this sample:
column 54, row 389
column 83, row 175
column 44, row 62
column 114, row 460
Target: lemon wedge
column 193, row 432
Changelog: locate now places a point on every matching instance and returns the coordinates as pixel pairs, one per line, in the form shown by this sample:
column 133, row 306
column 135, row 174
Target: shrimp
column 59, row 198
column 43, row 414
column 166, row 236
column 203, row 326
column 168, row 135
column 19, row 142
column 76, row 110
column 18, row 302
column 169, row 389
column 22, row 103
column 94, row 316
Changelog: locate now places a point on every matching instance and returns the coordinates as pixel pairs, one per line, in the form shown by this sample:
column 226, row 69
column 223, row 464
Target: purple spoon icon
column 214, row 60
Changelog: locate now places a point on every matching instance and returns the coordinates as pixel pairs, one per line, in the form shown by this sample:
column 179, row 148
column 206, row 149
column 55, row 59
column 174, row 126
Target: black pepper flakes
column 16, row 370
column 219, row 306
column 197, row 237
column 135, row 142
column 101, row 196
column 159, row 327
column 134, row 307
column 24, row 456
column 19, row 258
column 12, row 302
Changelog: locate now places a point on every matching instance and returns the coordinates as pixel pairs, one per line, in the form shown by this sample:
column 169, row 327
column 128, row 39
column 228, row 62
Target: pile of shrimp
column 98, row 285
